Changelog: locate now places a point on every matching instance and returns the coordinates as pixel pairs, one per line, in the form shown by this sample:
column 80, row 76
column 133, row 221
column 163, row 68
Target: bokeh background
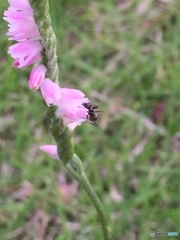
column 125, row 55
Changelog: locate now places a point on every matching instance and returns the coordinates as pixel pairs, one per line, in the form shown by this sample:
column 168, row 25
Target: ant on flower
column 92, row 113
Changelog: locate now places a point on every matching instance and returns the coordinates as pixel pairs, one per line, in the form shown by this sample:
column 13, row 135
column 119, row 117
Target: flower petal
column 25, row 53
column 51, row 150
column 50, row 91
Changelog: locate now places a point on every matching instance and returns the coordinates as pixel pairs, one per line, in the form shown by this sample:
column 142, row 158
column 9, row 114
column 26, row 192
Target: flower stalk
column 82, row 179
column 61, row 133
column 73, row 165
column 30, row 25
column 63, row 138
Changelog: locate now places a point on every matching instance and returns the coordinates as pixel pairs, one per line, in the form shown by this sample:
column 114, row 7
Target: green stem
column 60, row 133
column 97, row 204
column 82, row 179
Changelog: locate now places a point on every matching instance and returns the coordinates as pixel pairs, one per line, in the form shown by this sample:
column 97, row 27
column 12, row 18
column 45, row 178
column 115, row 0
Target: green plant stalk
column 97, row 204
column 61, row 134
column 74, row 167
column 82, row 179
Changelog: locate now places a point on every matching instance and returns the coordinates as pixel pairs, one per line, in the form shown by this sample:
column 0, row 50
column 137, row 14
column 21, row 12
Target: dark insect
column 92, row 113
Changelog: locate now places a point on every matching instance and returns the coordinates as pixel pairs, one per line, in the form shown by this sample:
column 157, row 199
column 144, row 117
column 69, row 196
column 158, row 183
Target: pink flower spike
column 51, row 150
column 37, row 76
column 25, row 53
column 50, row 91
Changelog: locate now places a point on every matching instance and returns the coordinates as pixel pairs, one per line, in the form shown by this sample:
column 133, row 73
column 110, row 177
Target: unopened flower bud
column 37, row 77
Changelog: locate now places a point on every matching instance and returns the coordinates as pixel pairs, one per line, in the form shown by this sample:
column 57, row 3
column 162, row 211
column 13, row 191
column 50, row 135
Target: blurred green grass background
column 125, row 55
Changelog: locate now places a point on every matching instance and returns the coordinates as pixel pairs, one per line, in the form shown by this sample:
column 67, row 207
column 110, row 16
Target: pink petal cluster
column 21, row 22
column 68, row 101
column 23, row 29
column 27, row 51
column 69, row 107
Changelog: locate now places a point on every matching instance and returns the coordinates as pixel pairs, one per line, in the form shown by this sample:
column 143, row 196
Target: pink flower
column 37, row 76
column 50, row 91
column 25, row 53
column 22, row 28
column 70, row 107
column 51, row 150
column 68, row 101
column 21, row 22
